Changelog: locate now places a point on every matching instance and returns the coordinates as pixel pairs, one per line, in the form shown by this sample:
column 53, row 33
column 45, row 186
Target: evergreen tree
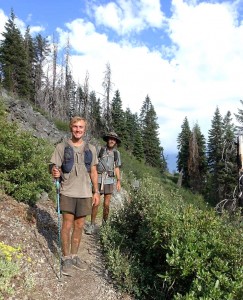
column 151, row 144
column 229, row 178
column 13, row 60
column 96, row 126
column 41, row 52
column 118, row 117
column 183, row 141
column 79, row 104
column 215, row 161
column 239, row 117
column 197, row 162
column 30, row 53
column 130, row 125
column 133, row 142
column 138, row 150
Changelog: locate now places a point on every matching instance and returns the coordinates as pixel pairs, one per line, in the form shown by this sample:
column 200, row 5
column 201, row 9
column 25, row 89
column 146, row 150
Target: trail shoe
column 78, row 264
column 90, row 229
column 67, row 266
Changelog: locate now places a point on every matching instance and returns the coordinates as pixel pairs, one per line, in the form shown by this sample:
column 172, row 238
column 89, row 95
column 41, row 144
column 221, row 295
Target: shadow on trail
column 47, row 227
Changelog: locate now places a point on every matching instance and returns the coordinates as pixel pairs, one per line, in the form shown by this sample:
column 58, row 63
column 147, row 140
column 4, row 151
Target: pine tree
column 96, row 125
column 130, row 125
column 133, row 142
column 151, row 144
column 183, row 141
column 30, row 53
column 197, row 164
column 229, row 157
column 138, row 150
column 215, row 161
column 41, row 52
column 239, row 117
column 118, row 117
column 13, row 60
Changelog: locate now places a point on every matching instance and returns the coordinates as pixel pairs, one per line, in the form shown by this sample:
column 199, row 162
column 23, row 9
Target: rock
column 30, row 120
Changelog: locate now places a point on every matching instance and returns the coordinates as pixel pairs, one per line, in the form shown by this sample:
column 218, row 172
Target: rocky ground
column 35, row 231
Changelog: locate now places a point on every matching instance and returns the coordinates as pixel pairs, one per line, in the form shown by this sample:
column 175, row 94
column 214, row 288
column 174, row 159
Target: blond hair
column 77, row 119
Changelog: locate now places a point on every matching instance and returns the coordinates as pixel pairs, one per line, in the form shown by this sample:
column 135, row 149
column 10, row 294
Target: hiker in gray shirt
column 74, row 163
column 109, row 163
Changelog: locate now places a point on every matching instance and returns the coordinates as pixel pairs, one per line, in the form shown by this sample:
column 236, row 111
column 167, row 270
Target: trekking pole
column 57, row 184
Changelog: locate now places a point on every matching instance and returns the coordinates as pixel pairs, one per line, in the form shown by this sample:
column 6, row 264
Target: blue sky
column 186, row 55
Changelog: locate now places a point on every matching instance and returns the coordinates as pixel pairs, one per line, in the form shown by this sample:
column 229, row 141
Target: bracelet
column 118, row 179
column 96, row 192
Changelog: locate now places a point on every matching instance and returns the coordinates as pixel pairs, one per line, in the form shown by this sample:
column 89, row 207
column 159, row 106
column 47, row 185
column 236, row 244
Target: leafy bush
column 24, row 163
column 11, row 261
column 169, row 248
column 62, row 125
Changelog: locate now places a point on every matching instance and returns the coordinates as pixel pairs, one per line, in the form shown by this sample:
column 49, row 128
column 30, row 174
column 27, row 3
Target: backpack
column 102, row 151
column 68, row 160
column 103, row 166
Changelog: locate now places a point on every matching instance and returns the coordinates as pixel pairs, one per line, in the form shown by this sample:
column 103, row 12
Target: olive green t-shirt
column 77, row 183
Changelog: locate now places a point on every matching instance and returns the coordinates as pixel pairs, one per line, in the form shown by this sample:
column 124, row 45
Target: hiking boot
column 90, row 229
column 78, row 264
column 67, row 266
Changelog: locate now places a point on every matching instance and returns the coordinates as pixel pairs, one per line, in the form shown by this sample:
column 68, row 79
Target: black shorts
column 107, row 188
column 79, row 207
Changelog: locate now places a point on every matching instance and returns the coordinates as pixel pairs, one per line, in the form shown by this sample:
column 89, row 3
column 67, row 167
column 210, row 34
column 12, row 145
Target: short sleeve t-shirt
column 77, row 183
column 106, row 166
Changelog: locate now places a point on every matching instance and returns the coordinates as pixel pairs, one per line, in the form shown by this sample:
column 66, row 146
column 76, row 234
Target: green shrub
column 62, row 125
column 24, row 163
column 12, row 259
column 172, row 249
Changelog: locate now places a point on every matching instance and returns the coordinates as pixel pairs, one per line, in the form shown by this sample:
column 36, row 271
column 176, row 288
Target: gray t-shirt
column 107, row 165
column 77, row 183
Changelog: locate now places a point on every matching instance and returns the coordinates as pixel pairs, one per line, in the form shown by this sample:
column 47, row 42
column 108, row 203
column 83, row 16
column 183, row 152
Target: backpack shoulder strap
column 101, row 152
column 88, row 156
column 68, row 158
column 115, row 155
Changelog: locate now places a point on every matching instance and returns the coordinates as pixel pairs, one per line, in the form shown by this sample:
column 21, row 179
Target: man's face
column 78, row 129
column 111, row 142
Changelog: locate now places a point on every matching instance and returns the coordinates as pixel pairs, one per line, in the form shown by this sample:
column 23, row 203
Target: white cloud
column 36, row 29
column 3, row 20
column 128, row 16
column 19, row 23
column 206, row 71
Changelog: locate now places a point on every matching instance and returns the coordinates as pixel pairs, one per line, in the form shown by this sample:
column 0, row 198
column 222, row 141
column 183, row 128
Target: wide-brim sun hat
column 113, row 135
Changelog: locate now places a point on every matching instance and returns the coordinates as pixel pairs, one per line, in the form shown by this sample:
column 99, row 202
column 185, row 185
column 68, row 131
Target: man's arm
column 118, row 178
column 94, row 179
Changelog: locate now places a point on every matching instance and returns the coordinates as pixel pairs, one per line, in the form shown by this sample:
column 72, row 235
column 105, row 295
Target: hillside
column 164, row 243
column 29, row 237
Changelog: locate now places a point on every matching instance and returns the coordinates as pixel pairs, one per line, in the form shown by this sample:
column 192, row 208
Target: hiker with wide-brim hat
column 109, row 163
column 111, row 135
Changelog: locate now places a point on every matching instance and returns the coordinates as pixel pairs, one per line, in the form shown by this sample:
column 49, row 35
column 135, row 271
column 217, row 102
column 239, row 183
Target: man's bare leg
column 77, row 233
column 106, row 206
column 67, row 224
column 94, row 214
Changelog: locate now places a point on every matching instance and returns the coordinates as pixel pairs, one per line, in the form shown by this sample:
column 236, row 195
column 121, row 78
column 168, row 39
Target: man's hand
column 118, row 185
column 96, row 199
column 56, row 172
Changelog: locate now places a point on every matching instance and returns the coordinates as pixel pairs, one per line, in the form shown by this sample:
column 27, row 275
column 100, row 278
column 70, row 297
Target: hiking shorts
column 107, row 188
column 79, row 207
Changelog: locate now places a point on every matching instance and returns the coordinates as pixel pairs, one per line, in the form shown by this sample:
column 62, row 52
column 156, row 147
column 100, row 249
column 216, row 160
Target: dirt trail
column 35, row 231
